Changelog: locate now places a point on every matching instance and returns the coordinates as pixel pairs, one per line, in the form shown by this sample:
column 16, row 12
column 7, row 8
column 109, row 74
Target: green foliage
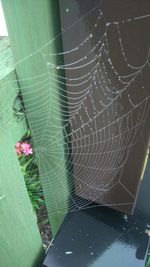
column 31, row 176
column 148, row 263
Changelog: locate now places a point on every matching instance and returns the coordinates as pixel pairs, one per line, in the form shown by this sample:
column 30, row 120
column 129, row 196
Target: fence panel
column 20, row 242
column 32, row 26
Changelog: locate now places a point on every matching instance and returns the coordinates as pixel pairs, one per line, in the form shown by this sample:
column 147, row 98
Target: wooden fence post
column 31, row 25
column 20, row 242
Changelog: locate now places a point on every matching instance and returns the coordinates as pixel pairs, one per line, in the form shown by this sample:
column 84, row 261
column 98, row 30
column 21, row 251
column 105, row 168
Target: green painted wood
column 6, row 58
column 8, row 92
column 20, row 242
column 8, row 101
column 31, row 25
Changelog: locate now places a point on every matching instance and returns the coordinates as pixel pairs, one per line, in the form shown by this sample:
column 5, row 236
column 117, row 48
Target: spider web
column 102, row 116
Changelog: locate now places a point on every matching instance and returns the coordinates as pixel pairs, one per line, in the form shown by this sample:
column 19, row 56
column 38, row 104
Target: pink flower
column 18, row 148
column 26, row 149
column 23, row 148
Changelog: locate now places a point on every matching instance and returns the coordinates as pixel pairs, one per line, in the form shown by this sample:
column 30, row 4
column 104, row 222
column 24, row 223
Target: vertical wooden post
column 31, row 25
column 20, row 242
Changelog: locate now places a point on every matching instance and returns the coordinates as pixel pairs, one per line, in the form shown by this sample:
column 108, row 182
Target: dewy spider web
column 101, row 138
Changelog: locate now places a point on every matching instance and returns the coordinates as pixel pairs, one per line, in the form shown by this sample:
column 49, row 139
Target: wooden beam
column 21, row 244
column 19, row 236
column 8, row 92
column 32, row 24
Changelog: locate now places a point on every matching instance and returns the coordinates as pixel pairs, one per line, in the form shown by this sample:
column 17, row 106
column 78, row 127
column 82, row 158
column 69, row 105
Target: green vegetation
column 148, row 263
column 30, row 171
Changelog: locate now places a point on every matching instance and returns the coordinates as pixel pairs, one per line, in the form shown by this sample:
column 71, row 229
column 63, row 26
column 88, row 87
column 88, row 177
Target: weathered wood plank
column 8, row 106
column 31, row 26
column 6, row 58
column 8, row 92
column 20, row 242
